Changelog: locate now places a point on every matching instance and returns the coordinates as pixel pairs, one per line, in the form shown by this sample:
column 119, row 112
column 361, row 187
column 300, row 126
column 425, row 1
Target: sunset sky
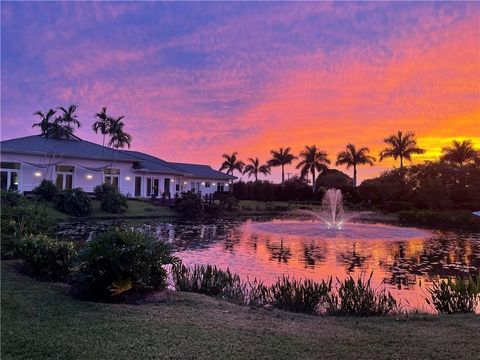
column 195, row 80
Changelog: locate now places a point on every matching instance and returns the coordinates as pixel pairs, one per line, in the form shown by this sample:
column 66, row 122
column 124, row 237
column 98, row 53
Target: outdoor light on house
column 203, row 184
column 89, row 177
column 37, row 174
column 214, row 184
column 128, row 178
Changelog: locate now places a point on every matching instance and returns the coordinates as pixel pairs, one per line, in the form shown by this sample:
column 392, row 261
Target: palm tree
column 460, row 153
column 103, row 124
column 401, row 146
column 254, row 168
column 68, row 119
column 231, row 163
column 313, row 160
column 118, row 137
column 281, row 157
column 46, row 122
column 353, row 157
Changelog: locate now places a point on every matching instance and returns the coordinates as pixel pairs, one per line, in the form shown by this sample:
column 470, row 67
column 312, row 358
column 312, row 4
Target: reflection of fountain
column 332, row 212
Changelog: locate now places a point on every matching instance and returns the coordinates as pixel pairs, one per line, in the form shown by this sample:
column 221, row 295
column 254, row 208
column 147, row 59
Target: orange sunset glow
column 319, row 73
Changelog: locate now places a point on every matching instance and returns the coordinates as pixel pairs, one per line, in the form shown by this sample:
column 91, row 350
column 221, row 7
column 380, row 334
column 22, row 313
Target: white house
column 73, row 163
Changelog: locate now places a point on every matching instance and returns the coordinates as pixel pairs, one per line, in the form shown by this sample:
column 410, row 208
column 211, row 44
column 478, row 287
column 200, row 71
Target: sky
column 196, row 80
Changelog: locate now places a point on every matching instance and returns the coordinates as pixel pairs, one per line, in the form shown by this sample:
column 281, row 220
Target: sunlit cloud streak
column 197, row 80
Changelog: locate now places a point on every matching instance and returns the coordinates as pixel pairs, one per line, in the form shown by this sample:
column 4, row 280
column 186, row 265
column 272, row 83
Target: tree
column 401, row 146
column 254, row 168
column 68, row 119
column 460, row 153
column 46, row 121
column 281, row 157
column 118, row 137
column 313, row 160
column 103, row 124
column 353, row 157
column 231, row 163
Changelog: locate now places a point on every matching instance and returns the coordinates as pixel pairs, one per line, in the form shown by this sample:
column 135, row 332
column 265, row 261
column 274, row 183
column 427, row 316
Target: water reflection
column 401, row 264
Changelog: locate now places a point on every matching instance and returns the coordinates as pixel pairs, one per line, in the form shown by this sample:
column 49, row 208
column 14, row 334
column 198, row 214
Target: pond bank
column 185, row 325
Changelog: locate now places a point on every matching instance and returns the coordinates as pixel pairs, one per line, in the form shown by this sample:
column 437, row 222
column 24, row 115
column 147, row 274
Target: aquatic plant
column 299, row 295
column 455, row 296
column 358, row 297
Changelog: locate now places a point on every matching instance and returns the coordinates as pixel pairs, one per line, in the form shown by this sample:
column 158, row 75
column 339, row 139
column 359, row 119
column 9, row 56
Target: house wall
column 31, row 176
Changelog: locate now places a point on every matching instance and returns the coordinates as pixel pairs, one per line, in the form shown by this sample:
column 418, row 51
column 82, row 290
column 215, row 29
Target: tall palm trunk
column 354, row 175
column 283, row 175
column 401, row 162
column 313, row 180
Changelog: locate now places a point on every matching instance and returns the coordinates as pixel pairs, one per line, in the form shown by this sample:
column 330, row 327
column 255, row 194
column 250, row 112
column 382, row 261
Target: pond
column 405, row 260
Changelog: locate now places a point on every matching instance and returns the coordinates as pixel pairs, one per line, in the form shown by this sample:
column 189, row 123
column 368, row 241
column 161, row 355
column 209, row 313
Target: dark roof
column 77, row 148
column 152, row 163
column 202, row 171
column 72, row 147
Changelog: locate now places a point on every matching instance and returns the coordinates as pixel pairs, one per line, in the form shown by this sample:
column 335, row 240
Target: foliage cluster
column 357, row 297
column 456, row 296
column 111, row 199
column 116, row 265
column 47, row 190
column 307, row 296
column 189, row 204
column 46, row 258
column 74, row 202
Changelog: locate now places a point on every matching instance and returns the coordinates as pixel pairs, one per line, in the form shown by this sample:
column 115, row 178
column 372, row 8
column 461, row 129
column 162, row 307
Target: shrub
column 46, row 258
column 116, row 265
column 10, row 197
column 101, row 190
column 19, row 220
column 189, row 204
column 73, row 202
column 459, row 296
column 228, row 202
column 208, row 280
column 299, row 295
column 359, row 298
column 114, row 202
column 46, row 190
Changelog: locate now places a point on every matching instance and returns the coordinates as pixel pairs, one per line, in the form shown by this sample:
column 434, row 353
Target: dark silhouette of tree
column 313, row 161
column 352, row 157
column 401, row 146
column 46, row 121
column 460, row 153
column 231, row 163
column 281, row 157
column 254, row 168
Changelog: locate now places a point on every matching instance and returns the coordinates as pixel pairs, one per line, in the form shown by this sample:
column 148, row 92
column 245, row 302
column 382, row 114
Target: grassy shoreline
column 40, row 320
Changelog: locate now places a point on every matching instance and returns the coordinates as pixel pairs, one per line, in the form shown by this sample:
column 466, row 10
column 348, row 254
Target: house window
column 111, row 176
column 207, row 184
column 138, row 186
column 10, row 175
column 64, row 178
column 220, row 186
column 149, row 186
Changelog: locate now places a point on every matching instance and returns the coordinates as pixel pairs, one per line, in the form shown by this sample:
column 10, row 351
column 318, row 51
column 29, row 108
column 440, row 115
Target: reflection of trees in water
column 352, row 259
column 279, row 251
column 442, row 256
column 314, row 253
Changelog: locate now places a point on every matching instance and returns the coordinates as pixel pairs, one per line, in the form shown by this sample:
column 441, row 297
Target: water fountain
column 332, row 221
column 332, row 212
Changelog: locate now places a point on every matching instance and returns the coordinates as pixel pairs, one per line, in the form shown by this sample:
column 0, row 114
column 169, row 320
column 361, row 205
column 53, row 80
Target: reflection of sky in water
column 402, row 263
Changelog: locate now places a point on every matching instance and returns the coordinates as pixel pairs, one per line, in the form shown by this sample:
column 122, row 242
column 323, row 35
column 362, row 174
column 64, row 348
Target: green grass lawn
column 135, row 209
column 40, row 320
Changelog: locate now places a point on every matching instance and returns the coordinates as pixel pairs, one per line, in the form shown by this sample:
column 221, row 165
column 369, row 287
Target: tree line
column 313, row 161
